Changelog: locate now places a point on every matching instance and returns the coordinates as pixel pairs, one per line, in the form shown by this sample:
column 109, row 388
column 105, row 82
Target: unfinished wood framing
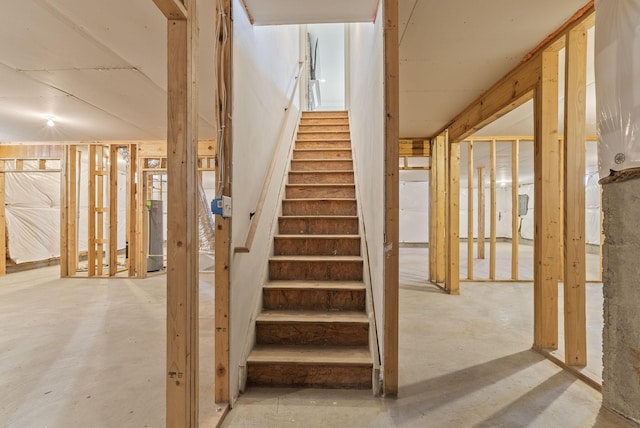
column 91, row 256
column 515, row 229
column 222, row 225
column 71, row 205
column 470, row 213
column 452, row 283
column 392, row 184
column 546, row 202
column 3, row 222
column 132, row 195
column 440, row 202
column 414, row 147
column 575, row 324
column 113, row 210
column 433, row 231
column 481, row 210
column 493, row 215
column 182, row 220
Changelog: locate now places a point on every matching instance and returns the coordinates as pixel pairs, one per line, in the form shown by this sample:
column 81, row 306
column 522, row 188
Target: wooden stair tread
column 325, row 140
column 317, row 199
column 313, row 285
column 323, row 171
column 312, row 185
column 316, row 258
column 330, row 217
column 307, row 355
column 309, row 236
column 301, row 317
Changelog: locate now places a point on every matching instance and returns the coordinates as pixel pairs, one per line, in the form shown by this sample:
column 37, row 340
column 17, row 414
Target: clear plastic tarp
column 617, row 67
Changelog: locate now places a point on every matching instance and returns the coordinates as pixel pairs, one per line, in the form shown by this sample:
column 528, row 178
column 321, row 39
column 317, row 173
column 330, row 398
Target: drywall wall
column 265, row 62
column 621, row 333
column 366, row 101
column 330, row 69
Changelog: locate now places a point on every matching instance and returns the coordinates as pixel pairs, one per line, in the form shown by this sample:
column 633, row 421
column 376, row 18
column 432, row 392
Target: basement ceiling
column 270, row 12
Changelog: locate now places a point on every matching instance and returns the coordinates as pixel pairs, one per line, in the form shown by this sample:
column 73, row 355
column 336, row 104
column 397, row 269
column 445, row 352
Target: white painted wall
column 366, row 89
column 265, row 61
column 330, row 66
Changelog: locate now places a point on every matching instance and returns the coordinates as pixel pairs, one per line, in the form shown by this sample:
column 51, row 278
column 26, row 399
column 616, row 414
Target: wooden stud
column 113, row 210
column 392, row 184
column 452, row 283
column 141, row 247
column 575, row 324
column 493, row 215
column 515, row 230
column 222, row 225
column 42, row 164
column 414, row 148
column 172, row 9
column 131, row 209
column 3, row 222
column 470, row 217
column 72, row 211
column 91, row 250
column 19, row 164
column 64, row 214
column 561, row 191
column 182, row 223
column 546, row 203
column 99, row 212
column 440, row 198
column 481, row 209
column 433, row 226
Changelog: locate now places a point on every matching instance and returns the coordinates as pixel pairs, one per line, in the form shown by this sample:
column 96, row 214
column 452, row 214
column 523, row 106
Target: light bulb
column 50, row 122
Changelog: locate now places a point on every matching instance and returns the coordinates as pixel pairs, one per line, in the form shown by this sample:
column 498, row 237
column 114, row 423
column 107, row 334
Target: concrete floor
column 90, row 353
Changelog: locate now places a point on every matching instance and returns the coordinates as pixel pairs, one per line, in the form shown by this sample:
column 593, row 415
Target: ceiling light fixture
column 50, row 121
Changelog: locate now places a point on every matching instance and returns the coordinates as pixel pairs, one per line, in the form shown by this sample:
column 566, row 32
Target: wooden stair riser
column 325, row 115
column 321, row 165
column 322, row 154
column 324, row 120
column 327, row 126
column 312, row 334
column 309, row 376
column 318, row 135
column 332, row 177
column 318, row 226
column 302, row 191
column 302, row 207
column 313, row 299
column 322, row 246
column 322, row 144
column 326, row 270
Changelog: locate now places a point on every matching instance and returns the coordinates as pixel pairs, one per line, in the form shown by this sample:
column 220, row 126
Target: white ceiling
column 311, row 11
column 99, row 67
column 452, row 51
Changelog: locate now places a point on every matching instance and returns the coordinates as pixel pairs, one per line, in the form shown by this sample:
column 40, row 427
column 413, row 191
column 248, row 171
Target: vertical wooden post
column 481, row 208
column 470, row 217
column 561, row 180
column 223, row 225
column 452, row 283
column 492, row 232
column 440, row 208
column 546, row 203
column 91, row 250
column 113, row 210
column 131, row 209
column 515, row 185
column 3, row 222
column 142, row 246
column 72, row 210
column 433, row 225
column 575, row 324
column 392, row 183
column 100, row 210
column 64, row 213
column 182, row 222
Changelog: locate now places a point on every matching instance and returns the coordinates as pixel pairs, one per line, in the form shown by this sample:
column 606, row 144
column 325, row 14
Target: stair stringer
column 374, row 344
column 250, row 341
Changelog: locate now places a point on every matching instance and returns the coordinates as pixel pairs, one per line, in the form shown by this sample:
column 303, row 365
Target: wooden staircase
column 314, row 329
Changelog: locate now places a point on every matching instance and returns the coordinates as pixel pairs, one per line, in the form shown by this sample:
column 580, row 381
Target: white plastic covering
column 617, row 66
column 33, row 215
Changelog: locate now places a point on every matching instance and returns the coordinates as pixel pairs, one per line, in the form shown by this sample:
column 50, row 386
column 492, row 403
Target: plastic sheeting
column 617, row 67
column 206, row 225
column 33, row 215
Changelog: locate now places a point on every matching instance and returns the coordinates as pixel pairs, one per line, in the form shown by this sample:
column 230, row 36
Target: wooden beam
column 132, row 197
column 440, row 196
column 452, row 283
column 24, row 151
column 3, row 222
column 99, row 212
column 113, row 210
column 172, row 9
column 493, row 214
column 222, row 225
column 71, row 241
column 414, row 148
column 575, row 324
column 392, row 184
column 546, row 203
column 158, row 149
column 515, row 230
column 481, row 210
column 433, row 225
column 470, row 214
column 508, row 93
column 91, row 223
column 182, row 223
